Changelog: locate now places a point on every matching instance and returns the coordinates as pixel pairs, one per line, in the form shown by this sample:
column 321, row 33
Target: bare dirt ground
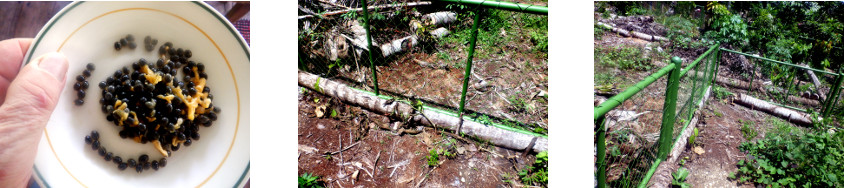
column 378, row 158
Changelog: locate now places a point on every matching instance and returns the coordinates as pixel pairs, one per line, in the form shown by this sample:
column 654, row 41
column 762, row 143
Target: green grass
column 491, row 40
column 307, row 180
column 748, row 130
column 622, row 57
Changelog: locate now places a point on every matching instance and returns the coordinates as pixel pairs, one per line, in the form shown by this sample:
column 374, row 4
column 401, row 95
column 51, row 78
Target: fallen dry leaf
column 699, row 150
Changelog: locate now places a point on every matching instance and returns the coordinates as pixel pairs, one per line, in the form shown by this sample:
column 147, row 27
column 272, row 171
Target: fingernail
column 55, row 64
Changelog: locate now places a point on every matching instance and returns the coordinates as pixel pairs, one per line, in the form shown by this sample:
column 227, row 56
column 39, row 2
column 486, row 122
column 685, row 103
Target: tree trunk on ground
column 626, row 33
column 816, row 82
column 739, row 84
column 499, row 137
column 662, row 176
column 785, row 113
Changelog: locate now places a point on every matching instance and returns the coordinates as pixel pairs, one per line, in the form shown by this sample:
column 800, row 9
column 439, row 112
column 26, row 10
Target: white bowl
column 85, row 32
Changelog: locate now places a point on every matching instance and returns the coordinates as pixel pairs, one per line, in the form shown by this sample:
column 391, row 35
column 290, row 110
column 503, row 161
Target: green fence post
column 830, row 99
column 369, row 46
column 468, row 72
column 669, row 109
column 602, row 152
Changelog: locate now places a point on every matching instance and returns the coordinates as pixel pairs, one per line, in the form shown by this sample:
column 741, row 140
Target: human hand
column 27, row 99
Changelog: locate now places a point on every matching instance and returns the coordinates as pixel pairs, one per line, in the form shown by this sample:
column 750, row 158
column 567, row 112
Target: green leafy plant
column 307, row 180
column 680, row 178
column 747, row 129
column 693, row 137
column 433, row 158
column 728, row 29
column 536, row 174
column 623, row 57
column 793, row 157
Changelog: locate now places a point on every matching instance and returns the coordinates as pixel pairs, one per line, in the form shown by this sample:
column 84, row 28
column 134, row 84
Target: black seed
column 162, row 162
column 117, row 160
column 180, row 52
column 171, row 51
column 194, row 135
column 131, row 162
column 95, row 145
column 139, row 168
column 203, row 75
column 102, row 84
column 123, row 42
column 132, row 45
column 146, row 166
column 122, row 166
column 147, row 39
column 143, row 158
column 80, row 78
column 174, row 58
column 88, row 139
column 117, row 45
column 125, row 77
column 208, row 124
column 77, row 86
column 110, row 89
column 108, row 156
column 191, row 91
column 142, row 62
column 162, row 50
column 86, row 73
column 117, row 74
column 165, row 69
column 212, row 116
column 149, row 47
column 129, row 37
column 136, row 66
column 80, row 94
column 109, row 80
column 181, row 136
column 200, row 67
column 154, row 165
column 102, row 151
column 175, row 148
column 125, row 70
column 188, row 54
column 85, row 84
column 90, row 66
column 154, row 42
column 170, row 44
column 142, row 127
column 95, row 135
column 216, row 109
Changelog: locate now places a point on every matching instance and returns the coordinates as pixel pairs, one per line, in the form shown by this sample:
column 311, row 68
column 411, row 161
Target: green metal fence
column 426, row 51
column 789, row 85
column 636, row 128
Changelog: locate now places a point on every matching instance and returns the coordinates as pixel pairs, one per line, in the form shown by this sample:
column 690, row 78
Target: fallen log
column 662, row 176
column 368, row 8
column 621, row 32
column 497, row 136
column 739, row 84
column 781, row 112
column 398, row 45
column 439, row 18
column 626, row 33
column 815, row 81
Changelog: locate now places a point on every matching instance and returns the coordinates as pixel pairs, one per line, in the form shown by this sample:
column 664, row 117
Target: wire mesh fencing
column 792, row 86
column 489, row 61
column 636, row 128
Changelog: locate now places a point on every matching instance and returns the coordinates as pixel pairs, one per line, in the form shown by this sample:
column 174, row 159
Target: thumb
column 30, row 101
column 33, row 94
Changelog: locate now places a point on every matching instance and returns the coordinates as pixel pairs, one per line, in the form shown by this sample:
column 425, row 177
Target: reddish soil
column 388, row 160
